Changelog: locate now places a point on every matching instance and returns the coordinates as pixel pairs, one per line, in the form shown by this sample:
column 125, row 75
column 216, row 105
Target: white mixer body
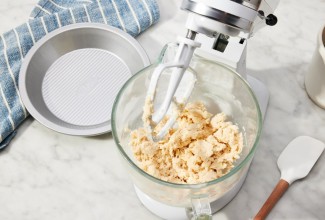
column 222, row 28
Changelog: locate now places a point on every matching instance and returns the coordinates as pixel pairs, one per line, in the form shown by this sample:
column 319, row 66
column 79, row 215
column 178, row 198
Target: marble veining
column 46, row 175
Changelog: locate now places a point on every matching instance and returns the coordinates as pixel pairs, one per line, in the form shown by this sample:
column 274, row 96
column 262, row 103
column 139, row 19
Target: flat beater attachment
column 175, row 97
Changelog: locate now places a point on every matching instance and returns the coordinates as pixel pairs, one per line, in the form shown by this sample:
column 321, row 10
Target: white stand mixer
column 220, row 29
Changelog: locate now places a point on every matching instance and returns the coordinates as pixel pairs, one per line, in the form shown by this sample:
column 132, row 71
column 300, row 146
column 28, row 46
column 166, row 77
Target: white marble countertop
column 46, row 175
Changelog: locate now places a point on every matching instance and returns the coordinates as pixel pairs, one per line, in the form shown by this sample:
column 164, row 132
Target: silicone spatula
column 295, row 162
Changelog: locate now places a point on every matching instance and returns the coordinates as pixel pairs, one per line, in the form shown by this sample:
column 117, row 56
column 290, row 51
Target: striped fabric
column 132, row 16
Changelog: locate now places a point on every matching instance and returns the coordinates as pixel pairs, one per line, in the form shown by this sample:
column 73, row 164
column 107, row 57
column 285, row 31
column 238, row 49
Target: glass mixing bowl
column 221, row 90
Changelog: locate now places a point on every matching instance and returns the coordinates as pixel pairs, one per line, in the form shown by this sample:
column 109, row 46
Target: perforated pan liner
column 69, row 79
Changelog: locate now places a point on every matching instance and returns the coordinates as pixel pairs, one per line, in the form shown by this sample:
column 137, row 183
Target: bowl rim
column 32, row 109
column 234, row 170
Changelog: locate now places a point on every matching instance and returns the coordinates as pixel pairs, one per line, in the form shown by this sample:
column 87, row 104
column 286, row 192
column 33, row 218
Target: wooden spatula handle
column 276, row 194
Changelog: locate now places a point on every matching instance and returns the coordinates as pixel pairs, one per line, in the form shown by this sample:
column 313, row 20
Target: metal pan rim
column 34, row 112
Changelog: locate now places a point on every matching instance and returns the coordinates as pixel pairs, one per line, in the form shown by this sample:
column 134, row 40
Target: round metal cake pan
column 69, row 79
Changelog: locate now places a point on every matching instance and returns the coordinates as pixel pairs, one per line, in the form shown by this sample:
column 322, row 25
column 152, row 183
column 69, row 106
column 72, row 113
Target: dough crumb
column 200, row 147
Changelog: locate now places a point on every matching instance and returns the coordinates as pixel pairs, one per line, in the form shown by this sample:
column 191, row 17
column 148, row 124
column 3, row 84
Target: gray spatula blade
column 298, row 158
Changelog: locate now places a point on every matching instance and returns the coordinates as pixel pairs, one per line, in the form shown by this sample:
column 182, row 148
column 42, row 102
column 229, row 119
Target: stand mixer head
column 218, row 20
column 229, row 17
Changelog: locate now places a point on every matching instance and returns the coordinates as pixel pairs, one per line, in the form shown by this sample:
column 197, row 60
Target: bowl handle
column 201, row 209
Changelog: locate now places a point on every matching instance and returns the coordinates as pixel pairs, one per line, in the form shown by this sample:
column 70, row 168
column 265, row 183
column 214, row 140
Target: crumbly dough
column 199, row 148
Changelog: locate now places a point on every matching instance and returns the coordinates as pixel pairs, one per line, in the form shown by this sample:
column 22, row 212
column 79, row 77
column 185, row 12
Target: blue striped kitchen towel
column 132, row 16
